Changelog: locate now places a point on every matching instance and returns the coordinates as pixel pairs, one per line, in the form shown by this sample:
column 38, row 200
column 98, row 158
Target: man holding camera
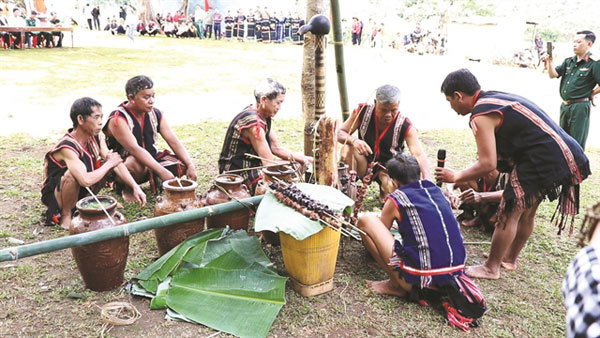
column 579, row 75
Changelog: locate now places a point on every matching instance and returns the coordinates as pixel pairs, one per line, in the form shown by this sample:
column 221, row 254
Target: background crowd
column 375, row 34
column 260, row 24
column 17, row 18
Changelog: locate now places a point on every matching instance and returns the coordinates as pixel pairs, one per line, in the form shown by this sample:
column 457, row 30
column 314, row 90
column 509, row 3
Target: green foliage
column 549, row 34
column 477, row 7
column 226, row 285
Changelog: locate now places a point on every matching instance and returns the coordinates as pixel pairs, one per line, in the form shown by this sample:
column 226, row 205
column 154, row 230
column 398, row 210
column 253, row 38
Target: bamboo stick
column 339, row 58
column 17, row 252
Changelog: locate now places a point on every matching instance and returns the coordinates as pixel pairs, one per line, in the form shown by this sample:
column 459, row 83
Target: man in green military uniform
column 579, row 75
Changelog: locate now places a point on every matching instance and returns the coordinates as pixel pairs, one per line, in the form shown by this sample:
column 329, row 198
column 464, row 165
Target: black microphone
column 441, row 159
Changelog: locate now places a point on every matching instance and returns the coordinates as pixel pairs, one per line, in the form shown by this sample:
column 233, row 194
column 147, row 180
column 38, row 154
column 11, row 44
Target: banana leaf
column 172, row 315
column 151, row 286
column 241, row 302
column 136, row 289
column 230, row 252
column 220, row 279
column 160, row 300
column 158, row 271
column 275, row 216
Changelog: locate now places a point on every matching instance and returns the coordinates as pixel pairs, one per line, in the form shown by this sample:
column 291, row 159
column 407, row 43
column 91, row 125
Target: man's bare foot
column 65, row 222
column 481, row 271
column 504, row 264
column 128, row 196
column 385, row 287
column 509, row 266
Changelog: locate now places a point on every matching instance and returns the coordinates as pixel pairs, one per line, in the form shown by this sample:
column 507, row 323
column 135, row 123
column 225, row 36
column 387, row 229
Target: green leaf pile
column 217, row 278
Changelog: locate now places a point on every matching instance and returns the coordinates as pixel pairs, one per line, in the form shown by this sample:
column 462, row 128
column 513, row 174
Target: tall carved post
column 326, row 166
column 319, row 26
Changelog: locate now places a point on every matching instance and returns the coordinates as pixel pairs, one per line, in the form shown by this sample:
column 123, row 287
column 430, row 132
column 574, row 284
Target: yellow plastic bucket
column 311, row 262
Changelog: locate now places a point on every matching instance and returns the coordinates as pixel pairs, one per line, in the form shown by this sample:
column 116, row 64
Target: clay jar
column 276, row 173
column 282, row 172
column 179, row 195
column 228, row 187
column 101, row 264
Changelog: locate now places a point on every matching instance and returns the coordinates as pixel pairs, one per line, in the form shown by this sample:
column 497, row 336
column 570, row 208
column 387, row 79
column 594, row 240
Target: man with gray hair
column 382, row 131
column 250, row 134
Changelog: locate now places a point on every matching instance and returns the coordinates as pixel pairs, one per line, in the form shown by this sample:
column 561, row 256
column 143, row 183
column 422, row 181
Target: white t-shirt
column 16, row 21
column 88, row 12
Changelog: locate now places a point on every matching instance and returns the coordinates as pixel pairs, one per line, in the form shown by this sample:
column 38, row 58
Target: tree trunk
column 445, row 23
column 146, row 11
column 184, row 7
column 308, row 75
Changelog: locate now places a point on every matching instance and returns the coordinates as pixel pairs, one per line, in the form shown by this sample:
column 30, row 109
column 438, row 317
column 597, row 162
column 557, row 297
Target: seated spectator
column 80, row 159
column 31, row 22
column 121, row 27
column 16, row 20
column 169, row 29
column 56, row 23
column 45, row 37
column 152, row 28
column 113, row 27
column 108, row 22
column 185, row 29
column 132, row 130
column 417, row 35
column 4, row 37
column 141, row 28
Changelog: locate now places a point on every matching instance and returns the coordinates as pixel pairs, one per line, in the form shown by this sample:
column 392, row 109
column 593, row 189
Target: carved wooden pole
column 319, row 26
column 326, row 164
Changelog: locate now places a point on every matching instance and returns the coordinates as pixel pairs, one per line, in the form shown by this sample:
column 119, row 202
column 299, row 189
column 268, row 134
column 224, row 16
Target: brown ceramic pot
column 101, row 264
column 228, row 187
column 276, row 173
column 178, row 195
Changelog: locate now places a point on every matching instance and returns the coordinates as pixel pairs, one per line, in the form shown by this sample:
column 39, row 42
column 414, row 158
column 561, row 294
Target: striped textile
column 385, row 143
column 146, row 135
column 432, row 249
column 235, row 146
column 88, row 153
column 542, row 159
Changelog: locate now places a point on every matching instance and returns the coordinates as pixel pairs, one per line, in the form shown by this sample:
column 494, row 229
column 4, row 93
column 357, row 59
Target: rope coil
column 117, row 313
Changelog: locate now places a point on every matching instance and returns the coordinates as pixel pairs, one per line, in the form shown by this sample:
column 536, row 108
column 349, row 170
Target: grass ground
column 44, row 295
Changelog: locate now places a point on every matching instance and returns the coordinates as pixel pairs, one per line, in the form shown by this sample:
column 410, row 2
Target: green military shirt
column 30, row 22
column 578, row 79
